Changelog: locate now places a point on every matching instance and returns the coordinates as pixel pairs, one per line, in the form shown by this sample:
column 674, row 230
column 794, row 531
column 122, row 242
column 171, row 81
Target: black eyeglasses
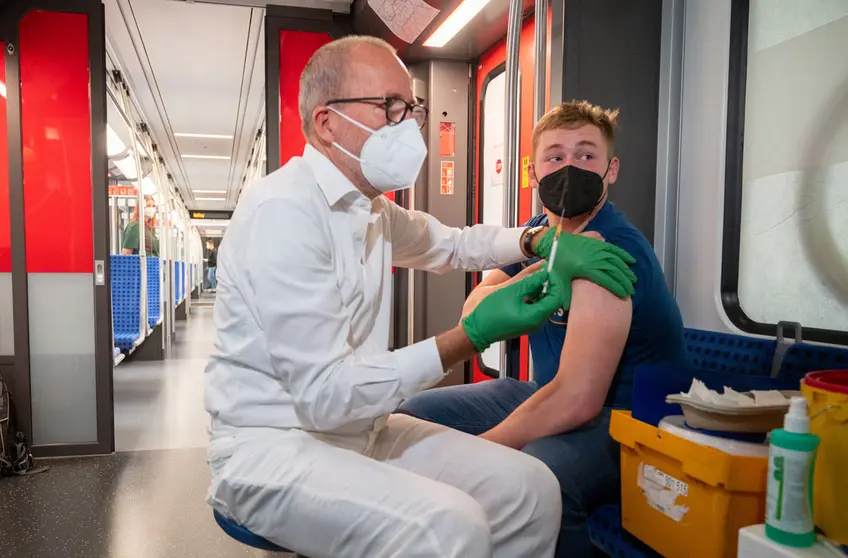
column 396, row 108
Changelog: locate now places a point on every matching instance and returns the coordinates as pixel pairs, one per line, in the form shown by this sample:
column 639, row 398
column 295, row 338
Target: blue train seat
column 725, row 352
column 154, row 296
column 179, row 274
column 802, row 358
column 243, row 535
column 718, row 358
column 126, row 300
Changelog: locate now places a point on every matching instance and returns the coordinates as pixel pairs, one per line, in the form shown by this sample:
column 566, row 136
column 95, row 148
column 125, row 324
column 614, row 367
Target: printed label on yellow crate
column 661, row 491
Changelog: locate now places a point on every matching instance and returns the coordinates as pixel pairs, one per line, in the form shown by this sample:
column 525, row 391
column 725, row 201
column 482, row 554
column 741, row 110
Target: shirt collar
column 332, row 182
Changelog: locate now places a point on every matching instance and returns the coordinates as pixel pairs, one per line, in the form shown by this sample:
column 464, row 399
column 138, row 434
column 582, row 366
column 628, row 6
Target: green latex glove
column 583, row 257
column 513, row 311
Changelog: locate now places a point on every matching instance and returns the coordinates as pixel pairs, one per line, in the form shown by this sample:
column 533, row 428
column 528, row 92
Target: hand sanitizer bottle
column 789, row 496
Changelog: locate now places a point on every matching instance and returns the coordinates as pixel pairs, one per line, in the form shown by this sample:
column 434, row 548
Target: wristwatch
column 527, row 240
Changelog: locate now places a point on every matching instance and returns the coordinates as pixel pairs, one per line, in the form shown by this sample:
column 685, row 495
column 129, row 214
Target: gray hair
column 324, row 76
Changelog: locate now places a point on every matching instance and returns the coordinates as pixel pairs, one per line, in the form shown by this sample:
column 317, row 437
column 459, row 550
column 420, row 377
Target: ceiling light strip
column 219, row 157
column 206, row 136
column 460, row 17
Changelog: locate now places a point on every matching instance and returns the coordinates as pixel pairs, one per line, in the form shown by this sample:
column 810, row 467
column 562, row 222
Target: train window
column 492, row 178
column 785, row 253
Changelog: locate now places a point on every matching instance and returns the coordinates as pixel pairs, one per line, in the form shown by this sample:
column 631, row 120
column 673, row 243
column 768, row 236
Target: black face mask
column 571, row 191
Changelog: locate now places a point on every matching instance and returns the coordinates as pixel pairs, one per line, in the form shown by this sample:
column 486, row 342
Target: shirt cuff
column 506, row 249
column 419, row 366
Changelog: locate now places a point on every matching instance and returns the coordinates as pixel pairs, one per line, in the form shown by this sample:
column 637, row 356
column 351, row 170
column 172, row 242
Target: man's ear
column 612, row 173
column 323, row 125
column 531, row 170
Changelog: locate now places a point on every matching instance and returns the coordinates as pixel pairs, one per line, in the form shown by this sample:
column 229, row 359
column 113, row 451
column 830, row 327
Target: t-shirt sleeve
column 642, row 268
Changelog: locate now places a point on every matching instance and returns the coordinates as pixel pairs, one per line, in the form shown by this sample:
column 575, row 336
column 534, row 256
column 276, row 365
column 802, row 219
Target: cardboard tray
column 726, row 418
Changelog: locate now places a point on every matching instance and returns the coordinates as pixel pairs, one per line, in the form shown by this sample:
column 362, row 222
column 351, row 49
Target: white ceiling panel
column 207, row 174
column 203, row 146
column 193, row 68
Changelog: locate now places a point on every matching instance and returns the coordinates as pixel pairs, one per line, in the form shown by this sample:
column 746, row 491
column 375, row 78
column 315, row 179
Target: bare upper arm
column 598, row 326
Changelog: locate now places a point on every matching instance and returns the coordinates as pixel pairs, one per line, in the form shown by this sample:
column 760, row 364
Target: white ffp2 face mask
column 150, row 212
column 392, row 156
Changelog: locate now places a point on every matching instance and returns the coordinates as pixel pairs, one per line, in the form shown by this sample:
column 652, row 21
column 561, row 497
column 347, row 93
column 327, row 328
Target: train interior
column 115, row 112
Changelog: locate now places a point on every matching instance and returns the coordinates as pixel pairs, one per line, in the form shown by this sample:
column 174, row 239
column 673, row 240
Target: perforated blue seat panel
column 242, row 535
column 154, row 295
column 125, row 277
column 723, row 352
column 802, row 358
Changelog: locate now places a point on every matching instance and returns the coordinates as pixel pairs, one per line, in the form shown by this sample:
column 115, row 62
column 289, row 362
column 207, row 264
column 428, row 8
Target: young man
column 586, row 369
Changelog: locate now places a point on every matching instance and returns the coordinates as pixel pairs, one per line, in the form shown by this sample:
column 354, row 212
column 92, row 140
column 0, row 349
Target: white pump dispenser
column 797, row 419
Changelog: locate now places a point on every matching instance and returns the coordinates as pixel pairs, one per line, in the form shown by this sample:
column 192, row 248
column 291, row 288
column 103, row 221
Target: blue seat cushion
column 242, row 535
column 126, row 341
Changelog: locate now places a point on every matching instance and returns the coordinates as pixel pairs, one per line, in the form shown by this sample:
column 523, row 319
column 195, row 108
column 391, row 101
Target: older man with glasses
column 304, row 451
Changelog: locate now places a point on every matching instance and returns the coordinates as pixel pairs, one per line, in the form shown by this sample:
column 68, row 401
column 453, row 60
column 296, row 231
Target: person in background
column 131, row 232
column 212, row 265
column 584, row 358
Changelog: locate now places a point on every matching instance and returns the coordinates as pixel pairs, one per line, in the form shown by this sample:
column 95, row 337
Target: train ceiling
column 197, row 67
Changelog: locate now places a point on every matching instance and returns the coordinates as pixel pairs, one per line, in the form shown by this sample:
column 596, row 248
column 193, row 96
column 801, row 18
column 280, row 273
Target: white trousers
column 420, row 490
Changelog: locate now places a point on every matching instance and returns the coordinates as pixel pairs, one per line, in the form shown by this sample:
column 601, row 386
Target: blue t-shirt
column 656, row 329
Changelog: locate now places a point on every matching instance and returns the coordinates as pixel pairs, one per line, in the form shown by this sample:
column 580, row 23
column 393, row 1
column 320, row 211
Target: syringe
column 553, row 251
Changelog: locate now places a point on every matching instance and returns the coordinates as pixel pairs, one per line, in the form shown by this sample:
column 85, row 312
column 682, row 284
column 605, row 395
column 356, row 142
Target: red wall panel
column 56, row 134
column 296, row 48
column 5, row 231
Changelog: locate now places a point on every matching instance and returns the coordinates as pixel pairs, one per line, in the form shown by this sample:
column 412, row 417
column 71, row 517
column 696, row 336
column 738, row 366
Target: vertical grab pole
column 540, row 89
column 511, row 178
column 140, row 206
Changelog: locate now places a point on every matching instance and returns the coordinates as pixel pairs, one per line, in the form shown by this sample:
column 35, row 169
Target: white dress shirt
column 304, row 296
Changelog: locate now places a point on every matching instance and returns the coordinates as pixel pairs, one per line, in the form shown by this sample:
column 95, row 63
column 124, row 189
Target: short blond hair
column 325, row 74
column 575, row 114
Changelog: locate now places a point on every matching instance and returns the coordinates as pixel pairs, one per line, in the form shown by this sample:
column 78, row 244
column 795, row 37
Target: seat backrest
column 802, row 358
column 126, row 293
column 725, row 352
column 154, row 299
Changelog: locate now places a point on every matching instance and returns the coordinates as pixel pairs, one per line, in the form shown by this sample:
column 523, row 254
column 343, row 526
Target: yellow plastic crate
column 683, row 499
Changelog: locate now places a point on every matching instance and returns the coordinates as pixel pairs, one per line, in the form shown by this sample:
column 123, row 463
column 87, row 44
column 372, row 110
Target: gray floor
column 147, row 500
column 159, row 405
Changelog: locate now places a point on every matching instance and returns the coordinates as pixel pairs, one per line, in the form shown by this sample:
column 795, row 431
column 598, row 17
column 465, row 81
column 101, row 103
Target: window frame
column 733, row 183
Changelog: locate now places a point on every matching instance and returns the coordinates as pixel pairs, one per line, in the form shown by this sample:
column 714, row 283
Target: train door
column 511, row 358
column 491, row 187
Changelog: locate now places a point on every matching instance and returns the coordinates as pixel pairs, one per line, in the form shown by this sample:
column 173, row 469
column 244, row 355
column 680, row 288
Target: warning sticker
column 525, row 172
column 447, row 178
column 661, row 491
column 447, row 139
